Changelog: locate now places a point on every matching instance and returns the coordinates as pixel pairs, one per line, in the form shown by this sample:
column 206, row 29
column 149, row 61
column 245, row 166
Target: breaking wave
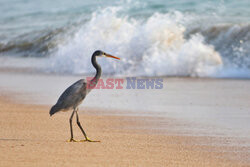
column 158, row 46
column 163, row 44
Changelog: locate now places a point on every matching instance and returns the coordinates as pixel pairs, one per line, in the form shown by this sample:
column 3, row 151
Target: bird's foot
column 72, row 140
column 88, row 140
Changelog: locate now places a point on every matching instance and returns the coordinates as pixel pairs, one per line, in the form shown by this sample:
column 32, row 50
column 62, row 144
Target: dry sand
column 29, row 137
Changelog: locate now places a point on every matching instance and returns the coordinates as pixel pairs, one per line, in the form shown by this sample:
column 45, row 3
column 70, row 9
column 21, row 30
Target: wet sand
column 30, row 137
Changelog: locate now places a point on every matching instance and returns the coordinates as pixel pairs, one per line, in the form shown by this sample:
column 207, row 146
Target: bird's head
column 100, row 53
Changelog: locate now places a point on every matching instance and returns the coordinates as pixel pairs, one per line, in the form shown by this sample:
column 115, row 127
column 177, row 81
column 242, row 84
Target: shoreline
column 217, row 107
column 31, row 137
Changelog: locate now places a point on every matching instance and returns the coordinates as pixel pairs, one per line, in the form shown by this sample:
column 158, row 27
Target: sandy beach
column 173, row 83
column 30, row 137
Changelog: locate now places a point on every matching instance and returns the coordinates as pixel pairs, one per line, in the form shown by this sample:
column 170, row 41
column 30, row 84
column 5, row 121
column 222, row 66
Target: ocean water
column 192, row 38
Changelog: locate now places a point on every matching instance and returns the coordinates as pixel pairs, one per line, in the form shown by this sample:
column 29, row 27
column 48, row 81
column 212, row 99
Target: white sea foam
column 154, row 47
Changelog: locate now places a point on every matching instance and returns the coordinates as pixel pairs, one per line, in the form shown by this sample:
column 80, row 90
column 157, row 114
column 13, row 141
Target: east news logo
column 128, row 83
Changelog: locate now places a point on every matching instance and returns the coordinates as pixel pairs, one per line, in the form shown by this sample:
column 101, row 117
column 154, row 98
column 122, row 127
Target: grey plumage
column 73, row 96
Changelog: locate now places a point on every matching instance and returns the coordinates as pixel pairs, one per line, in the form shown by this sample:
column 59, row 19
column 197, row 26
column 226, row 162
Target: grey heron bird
column 73, row 96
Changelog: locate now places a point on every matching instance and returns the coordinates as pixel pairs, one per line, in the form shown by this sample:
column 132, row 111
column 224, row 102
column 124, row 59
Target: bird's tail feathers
column 53, row 110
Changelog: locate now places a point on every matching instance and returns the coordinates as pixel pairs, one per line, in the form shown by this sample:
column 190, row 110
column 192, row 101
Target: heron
column 74, row 95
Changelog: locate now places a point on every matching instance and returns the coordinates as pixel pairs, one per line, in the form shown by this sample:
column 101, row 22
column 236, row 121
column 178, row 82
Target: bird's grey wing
column 72, row 96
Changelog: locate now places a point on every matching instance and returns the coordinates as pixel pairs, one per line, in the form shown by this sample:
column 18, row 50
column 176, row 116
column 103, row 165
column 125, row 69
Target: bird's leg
column 79, row 124
column 71, row 129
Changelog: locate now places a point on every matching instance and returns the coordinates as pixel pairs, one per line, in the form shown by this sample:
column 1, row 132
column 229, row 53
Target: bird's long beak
column 108, row 55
